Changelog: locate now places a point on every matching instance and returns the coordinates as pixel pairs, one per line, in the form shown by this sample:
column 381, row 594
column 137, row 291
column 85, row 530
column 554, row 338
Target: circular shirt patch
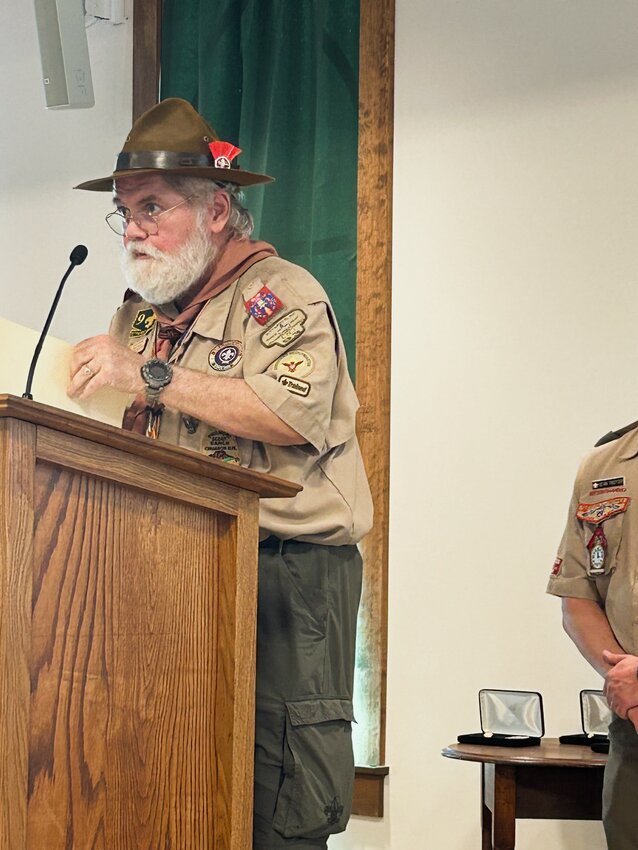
column 296, row 363
column 225, row 355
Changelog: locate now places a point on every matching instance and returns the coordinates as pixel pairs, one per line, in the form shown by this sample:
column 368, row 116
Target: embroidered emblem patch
column 605, row 483
column 225, row 355
column 263, row 305
column 142, row 324
column 333, row 811
column 222, row 446
column 601, row 511
column 557, row 566
column 297, row 363
column 295, row 385
column 285, row 330
column 597, row 548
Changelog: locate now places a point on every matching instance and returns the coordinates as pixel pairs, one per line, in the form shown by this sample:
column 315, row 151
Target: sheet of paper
column 51, row 375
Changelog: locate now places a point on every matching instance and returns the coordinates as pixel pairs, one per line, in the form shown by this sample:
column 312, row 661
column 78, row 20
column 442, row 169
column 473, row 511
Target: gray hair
column 202, row 192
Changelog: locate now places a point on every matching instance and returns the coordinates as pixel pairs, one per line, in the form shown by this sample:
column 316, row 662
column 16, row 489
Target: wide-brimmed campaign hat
column 173, row 138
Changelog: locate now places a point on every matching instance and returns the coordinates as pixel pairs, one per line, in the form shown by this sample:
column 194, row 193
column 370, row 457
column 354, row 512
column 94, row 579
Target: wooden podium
column 128, row 585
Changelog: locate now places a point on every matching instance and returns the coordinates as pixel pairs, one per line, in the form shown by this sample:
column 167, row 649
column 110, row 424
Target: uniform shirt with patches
column 335, row 506
column 616, row 588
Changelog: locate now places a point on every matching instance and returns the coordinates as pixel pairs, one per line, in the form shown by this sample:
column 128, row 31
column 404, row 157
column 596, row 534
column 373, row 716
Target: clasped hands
column 621, row 685
column 101, row 361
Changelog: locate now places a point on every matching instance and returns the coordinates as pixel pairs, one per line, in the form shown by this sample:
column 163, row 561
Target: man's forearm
column 225, row 403
column 228, row 404
column 587, row 625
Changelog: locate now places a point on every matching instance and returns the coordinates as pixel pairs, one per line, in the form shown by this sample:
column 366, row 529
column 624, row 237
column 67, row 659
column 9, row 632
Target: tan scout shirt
column 598, row 555
column 296, row 364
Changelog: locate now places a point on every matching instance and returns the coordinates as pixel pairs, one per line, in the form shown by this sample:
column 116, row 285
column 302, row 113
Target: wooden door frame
column 374, row 291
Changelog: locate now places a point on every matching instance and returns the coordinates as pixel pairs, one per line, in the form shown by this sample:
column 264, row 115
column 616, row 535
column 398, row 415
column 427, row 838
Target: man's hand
column 632, row 715
column 101, row 361
column 621, row 684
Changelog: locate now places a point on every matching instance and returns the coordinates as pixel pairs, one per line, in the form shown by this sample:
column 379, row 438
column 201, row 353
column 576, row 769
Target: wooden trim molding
column 374, row 295
column 374, row 300
column 147, row 43
column 369, row 783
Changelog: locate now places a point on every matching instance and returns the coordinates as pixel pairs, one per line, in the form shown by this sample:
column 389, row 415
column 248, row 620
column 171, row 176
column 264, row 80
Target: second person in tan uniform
column 596, row 573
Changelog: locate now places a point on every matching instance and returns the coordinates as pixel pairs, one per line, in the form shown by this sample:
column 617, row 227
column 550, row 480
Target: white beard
column 166, row 277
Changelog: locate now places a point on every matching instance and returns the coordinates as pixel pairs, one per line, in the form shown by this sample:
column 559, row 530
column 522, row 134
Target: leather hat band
column 161, row 159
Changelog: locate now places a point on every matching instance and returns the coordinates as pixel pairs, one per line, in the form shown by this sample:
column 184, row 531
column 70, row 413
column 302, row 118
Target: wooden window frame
column 374, row 270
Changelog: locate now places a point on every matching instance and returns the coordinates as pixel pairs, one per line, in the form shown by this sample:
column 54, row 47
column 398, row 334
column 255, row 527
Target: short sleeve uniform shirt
column 275, row 328
column 598, row 555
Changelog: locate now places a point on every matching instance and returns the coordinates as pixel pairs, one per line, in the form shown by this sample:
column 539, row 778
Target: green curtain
column 280, row 78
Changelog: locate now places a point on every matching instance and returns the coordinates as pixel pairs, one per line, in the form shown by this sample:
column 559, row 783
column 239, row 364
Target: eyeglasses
column 119, row 221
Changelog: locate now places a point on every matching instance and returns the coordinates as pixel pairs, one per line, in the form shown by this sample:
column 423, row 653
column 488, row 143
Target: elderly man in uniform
column 231, row 351
column 595, row 574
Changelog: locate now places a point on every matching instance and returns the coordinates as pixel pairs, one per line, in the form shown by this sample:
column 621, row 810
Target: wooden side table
column 553, row 780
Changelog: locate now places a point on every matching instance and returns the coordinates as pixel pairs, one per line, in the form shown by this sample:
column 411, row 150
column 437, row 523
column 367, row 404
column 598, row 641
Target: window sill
column 368, row 791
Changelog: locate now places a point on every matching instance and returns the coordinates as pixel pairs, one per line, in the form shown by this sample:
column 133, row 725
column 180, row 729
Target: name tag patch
column 604, row 483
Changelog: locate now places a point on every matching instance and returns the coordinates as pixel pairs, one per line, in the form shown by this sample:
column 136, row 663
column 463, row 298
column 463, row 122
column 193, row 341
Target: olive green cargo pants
column 306, row 625
column 620, row 787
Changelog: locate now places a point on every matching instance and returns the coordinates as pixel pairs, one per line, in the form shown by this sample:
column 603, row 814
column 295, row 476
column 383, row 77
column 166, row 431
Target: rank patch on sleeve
column 601, row 511
column 297, row 363
column 263, row 305
column 295, row 385
column 142, row 324
column 557, row 566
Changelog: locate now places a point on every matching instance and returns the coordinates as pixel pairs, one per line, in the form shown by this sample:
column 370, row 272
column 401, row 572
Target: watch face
column 157, row 371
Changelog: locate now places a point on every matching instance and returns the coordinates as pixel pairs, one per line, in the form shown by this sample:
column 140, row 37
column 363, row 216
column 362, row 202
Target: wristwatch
column 156, row 374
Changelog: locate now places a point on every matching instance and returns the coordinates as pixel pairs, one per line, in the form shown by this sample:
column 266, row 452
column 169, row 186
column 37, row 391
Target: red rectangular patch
column 263, row 305
column 556, row 567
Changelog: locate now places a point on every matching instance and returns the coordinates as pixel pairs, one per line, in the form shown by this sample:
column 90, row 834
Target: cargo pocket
column 315, row 797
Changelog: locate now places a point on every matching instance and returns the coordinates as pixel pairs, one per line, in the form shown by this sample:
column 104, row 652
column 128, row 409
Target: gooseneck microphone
column 77, row 257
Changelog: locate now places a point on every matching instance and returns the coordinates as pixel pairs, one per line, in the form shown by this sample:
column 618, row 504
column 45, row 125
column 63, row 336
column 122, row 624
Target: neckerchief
column 237, row 256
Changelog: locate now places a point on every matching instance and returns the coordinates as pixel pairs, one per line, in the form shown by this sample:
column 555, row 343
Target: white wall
column 515, row 297
column 43, row 154
column 514, row 320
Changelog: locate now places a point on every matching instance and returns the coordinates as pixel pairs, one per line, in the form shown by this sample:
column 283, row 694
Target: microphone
column 77, row 257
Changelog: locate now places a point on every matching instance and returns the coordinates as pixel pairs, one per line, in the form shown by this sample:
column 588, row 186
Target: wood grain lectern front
column 128, row 587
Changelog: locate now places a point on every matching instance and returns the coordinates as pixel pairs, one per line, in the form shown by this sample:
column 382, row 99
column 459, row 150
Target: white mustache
column 148, row 250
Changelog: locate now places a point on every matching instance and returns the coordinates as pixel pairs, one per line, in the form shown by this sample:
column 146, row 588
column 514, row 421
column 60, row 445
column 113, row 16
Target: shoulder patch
column 616, row 435
column 263, row 305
